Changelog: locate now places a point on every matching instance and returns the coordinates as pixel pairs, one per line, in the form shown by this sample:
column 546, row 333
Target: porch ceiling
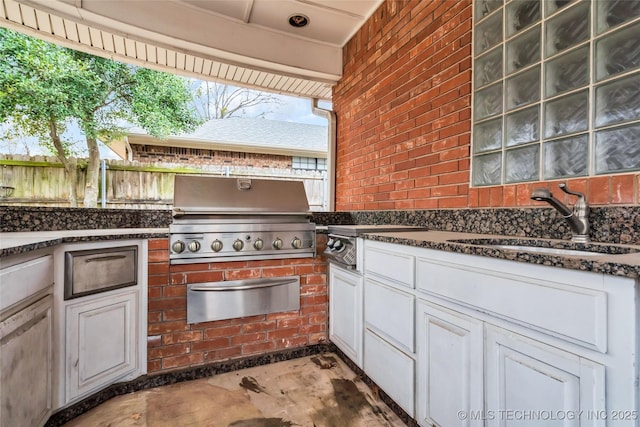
column 247, row 43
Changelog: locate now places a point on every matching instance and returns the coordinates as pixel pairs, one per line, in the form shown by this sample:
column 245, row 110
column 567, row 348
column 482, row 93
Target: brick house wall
column 175, row 344
column 404, row 117
column 202, row 157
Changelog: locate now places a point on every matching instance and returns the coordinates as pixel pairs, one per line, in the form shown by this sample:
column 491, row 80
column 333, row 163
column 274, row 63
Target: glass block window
column 556, row 89
column 309, row 163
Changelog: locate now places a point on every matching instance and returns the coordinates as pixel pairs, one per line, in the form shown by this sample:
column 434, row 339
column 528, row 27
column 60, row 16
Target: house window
column 177, row 150
column 556, row 89
column 309, row 163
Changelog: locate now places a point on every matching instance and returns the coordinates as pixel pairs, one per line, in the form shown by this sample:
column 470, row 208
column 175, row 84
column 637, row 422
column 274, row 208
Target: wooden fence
column 42, row 181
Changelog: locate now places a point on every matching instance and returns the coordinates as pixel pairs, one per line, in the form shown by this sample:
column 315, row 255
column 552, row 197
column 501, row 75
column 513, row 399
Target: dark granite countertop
column 613, row 259
column 617, row 228
column 26, row 241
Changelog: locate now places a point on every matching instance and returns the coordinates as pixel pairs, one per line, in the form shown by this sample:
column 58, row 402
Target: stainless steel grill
column 219, row 219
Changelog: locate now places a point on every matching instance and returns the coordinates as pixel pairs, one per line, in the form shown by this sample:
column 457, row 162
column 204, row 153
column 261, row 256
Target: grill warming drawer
column 240, row 298
column 98, row 270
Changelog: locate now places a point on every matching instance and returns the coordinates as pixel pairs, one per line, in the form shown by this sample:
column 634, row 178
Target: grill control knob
column 238, row 245
column 216, row 245
column 178, row 246
column 277, row 244
column 296, row 243
column 194, row 246
column 258, row 244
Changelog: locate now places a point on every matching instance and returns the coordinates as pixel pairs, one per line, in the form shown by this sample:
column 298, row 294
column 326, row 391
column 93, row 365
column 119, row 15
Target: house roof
column 248, row 135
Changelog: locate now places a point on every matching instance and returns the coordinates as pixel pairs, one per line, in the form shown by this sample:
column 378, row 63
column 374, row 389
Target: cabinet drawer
column 382, row 261
column 98, row 270
column 390, row 369
column 573, row 313
column 24, row 279
column 390, row 312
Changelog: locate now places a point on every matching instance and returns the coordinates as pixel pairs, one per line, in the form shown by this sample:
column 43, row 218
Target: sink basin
column 549, row 247
column 543, row 250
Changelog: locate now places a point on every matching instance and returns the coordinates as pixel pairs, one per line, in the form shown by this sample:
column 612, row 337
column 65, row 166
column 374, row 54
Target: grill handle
column 244, row 184
column 243, row 285
column 105, row 258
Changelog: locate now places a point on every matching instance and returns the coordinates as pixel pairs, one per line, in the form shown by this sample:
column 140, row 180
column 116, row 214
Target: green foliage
column 43, row 87
column 35, row 84
column 154, row 95
column 43, row 84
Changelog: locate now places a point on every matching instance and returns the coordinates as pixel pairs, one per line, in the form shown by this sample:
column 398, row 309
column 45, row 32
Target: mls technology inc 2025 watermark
column 550, row 415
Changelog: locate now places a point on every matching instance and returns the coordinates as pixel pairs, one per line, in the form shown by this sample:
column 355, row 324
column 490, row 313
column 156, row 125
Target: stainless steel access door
column 241, row 298
column 99, row 270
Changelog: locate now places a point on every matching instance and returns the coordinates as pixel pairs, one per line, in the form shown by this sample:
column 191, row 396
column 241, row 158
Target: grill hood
column 223, row 219
column 205, row 195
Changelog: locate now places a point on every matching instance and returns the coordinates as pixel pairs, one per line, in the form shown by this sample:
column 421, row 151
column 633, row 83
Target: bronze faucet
column 578, row 218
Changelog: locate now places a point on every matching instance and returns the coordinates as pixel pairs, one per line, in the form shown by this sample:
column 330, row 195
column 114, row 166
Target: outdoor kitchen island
column 178, row 357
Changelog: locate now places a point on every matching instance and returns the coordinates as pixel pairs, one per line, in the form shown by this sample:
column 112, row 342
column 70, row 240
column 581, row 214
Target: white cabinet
column 26, row 284
column 389, row 339
column 389, row 311
column 498, row 342
column 391, row 369
column 550, row 336
column 528, row 377
column 450, row 354
column 389, row 264
column 22, row 276
column 25, row 357
column 101, row 337
column 345, row 312
column 100, row 341
column 570, row 305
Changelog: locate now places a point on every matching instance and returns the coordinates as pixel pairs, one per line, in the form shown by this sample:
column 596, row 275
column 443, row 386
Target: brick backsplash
column 175, row 344
column 403, row 110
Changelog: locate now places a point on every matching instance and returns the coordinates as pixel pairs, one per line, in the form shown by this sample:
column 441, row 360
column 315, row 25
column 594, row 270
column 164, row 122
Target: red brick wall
column 175, row 344
column 404, row 117
column 201, row 157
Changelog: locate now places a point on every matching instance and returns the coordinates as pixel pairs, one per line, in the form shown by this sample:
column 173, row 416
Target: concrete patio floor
column 314, row 391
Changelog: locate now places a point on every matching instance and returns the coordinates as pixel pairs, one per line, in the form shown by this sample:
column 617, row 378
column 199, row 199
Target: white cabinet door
column 389, row 311
column 25, row 358
column 345, row 312
column 101, row 341
column 531, row 383
column 449, row 367
column 391, row 369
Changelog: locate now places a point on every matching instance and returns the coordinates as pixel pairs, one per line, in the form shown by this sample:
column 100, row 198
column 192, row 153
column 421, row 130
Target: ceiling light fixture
column 298, row 20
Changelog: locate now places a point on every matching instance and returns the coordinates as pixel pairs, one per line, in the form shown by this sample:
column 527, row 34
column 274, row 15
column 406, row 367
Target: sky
column 290, row 109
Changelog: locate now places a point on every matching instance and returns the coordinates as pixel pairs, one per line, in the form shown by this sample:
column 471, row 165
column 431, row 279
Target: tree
column 43, row 87
column 217, row 101
column 13, row 140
